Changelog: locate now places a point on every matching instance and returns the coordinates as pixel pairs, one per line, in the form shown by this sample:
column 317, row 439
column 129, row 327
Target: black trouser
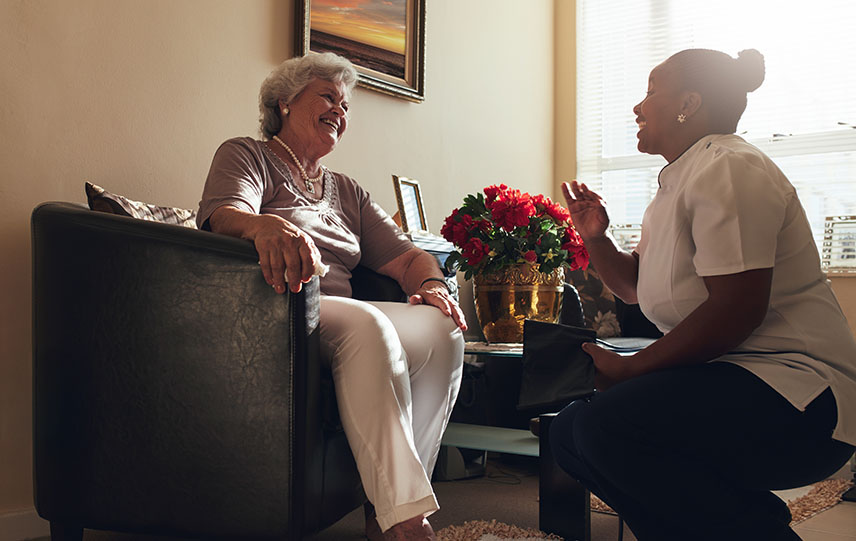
column 692, row 453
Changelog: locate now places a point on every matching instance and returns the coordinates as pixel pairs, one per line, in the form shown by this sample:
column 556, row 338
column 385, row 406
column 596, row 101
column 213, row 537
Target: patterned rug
column 482, row 530
column 820, row 497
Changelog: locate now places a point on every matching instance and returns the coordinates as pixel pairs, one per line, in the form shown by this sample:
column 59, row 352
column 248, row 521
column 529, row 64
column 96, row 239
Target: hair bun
column 750, row 69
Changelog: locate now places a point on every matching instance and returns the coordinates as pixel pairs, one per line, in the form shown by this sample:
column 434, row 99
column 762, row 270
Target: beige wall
column 136, row 96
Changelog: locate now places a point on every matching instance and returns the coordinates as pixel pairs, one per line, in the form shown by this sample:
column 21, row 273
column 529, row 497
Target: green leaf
column 453, row 261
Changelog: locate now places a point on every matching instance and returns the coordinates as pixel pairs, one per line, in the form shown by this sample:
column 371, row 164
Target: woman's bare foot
column 414, row 529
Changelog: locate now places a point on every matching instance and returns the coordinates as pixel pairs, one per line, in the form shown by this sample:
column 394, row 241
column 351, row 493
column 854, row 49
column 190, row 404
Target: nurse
column 752, row 388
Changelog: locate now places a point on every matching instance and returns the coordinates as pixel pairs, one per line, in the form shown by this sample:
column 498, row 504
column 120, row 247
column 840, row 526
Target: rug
column 820, row 497
column 482, row 530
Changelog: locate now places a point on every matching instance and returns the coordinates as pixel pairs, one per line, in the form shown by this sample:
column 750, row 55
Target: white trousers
column 397, row 370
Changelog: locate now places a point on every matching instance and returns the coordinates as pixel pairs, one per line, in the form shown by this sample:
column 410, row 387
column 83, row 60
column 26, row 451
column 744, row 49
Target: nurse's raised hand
column 588, row 210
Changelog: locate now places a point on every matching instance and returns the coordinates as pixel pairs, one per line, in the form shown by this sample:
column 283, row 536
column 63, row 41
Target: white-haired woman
column 396, row 366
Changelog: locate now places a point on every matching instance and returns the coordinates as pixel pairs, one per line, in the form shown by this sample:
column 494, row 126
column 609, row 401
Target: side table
column 564, row 504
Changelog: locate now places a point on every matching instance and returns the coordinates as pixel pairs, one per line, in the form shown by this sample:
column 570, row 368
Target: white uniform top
column 723, row 207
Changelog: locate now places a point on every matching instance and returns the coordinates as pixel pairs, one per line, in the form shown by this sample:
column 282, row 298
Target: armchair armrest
column 170, row 382
column 368, row 285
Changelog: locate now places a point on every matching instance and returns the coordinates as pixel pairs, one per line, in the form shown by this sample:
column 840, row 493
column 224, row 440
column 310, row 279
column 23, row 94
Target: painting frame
column 409, row 87
column 411, row 209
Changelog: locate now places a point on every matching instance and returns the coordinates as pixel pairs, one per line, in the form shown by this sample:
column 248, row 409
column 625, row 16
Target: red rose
column 530, row 256
column 541, row 202
column 544, row 205
column 559, row 213
column 447, row 231
column 571, row 239
column 512, row 209
column 578, row 256
column 580, row 259
column 456, row 229
column 474, row 251
column 482, row 225
column 462, row 229
column 493, row 191
column 450, row 226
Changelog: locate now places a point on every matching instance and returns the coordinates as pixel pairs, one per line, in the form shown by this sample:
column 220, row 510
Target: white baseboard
column 23, row 525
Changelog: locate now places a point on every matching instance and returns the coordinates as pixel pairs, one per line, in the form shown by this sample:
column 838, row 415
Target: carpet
column 819, row 497
column 482, row 530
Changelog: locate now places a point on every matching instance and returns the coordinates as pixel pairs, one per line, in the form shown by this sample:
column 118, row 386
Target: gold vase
column 506, row 298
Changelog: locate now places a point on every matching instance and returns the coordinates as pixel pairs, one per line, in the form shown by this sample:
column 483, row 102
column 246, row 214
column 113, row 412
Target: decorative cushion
column 104, row 201
column 597, row 300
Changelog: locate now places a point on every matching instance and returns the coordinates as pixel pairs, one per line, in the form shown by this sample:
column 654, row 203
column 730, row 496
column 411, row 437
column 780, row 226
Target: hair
column 290, row 78
column 722, row 81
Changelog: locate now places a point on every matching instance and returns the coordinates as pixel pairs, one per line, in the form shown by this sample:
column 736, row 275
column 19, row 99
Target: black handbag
column 556, row 370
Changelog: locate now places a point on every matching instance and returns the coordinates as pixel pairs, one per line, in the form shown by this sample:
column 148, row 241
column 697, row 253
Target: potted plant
column 515, row 247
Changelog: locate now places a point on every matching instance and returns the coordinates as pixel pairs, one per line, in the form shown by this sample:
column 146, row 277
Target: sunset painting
column 370, row 33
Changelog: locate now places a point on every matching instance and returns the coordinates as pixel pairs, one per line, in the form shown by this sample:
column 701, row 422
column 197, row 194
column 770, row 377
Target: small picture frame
column 408, row 195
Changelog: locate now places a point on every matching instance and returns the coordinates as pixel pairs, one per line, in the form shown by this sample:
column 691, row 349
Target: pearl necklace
column 309, row 182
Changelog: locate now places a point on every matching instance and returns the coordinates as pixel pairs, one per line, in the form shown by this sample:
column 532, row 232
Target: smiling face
column 317, row 117
column 656, row 115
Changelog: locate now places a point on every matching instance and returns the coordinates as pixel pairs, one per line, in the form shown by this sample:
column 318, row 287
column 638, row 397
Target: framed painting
column 385, row 40
column 411, row 211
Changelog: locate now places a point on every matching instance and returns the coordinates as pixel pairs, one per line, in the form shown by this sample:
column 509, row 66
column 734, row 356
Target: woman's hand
column 410, row 270
column 436, row 294
column 588, row 210
column 618, row 269
column 286, row 252
column 610, row 367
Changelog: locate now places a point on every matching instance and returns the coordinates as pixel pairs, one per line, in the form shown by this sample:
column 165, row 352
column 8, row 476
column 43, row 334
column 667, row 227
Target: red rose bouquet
column 504, row 227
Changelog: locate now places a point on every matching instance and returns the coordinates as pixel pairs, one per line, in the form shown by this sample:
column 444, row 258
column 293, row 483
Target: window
column 803, row 116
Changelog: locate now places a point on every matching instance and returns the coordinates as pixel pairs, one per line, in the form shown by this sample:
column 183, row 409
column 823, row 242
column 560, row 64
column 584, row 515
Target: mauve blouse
column 348, row 227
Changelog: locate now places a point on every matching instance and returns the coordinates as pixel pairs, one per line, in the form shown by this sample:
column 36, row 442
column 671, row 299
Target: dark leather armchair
column 174, row 393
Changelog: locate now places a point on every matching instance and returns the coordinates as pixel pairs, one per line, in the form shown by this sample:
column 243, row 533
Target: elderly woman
column 396, row 366
column 753, row 386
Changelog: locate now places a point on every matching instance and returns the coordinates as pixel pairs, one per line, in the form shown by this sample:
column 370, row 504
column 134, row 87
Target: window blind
column 803, row 116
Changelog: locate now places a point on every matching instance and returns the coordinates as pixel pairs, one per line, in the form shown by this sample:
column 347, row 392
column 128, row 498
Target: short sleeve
column 236, row 179
column 381, row 240
column 736, row 210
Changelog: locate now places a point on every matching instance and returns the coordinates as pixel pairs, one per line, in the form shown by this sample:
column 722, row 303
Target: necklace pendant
column 310, row 187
